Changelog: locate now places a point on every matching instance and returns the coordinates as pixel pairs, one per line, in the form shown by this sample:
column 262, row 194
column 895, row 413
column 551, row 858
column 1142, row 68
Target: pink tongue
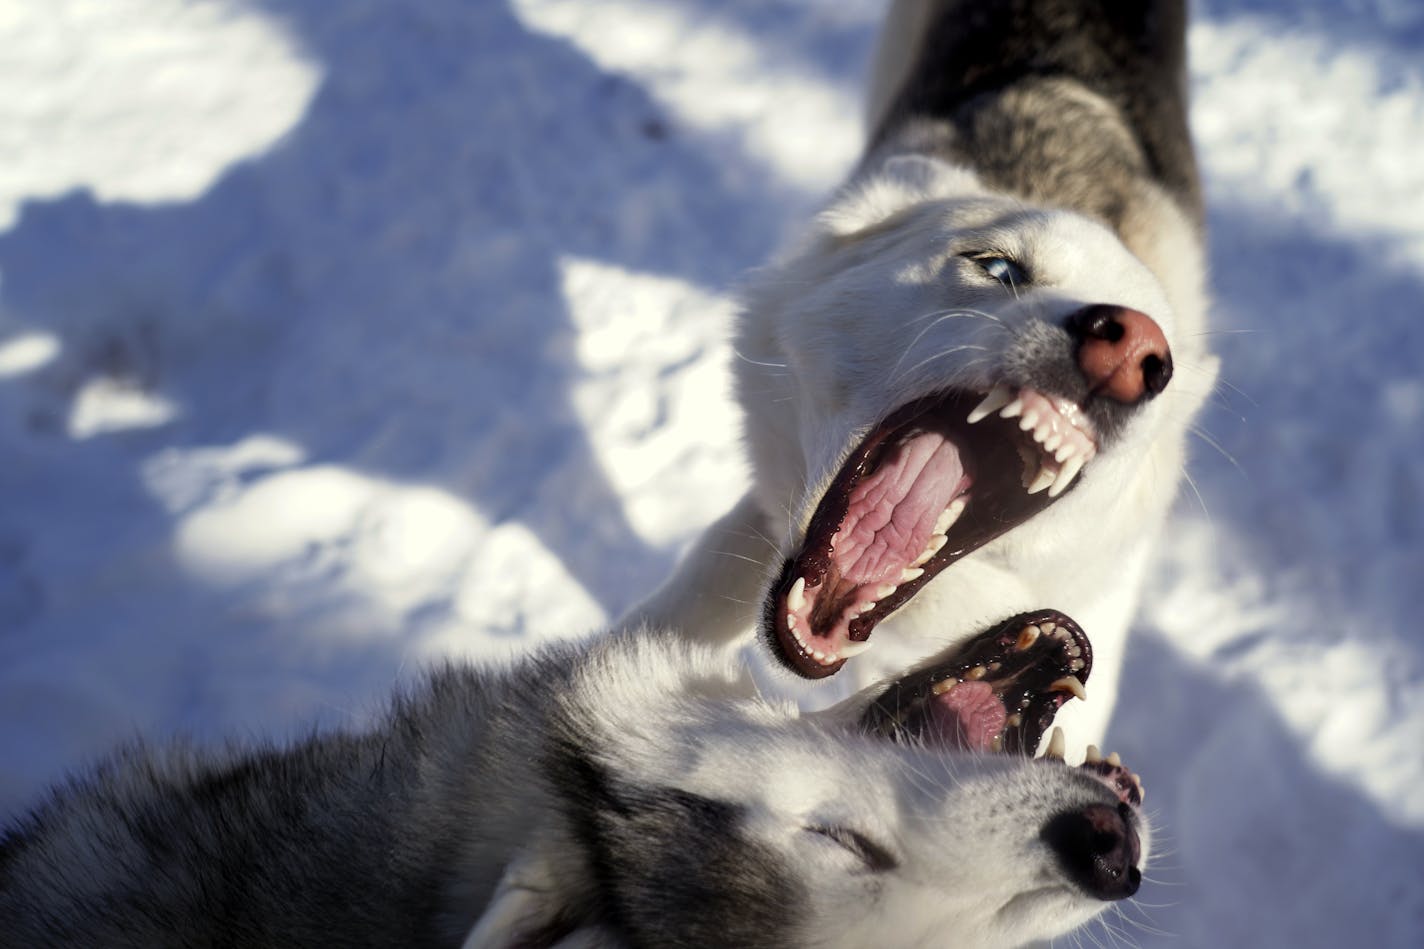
column 893, row 511
column 968, row 716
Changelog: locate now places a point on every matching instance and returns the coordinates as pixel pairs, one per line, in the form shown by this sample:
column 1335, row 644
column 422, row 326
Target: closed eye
column 875, row 857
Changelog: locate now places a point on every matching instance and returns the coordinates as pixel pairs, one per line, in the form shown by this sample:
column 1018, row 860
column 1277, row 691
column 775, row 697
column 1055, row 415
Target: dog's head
column 934, row 367
column 695, row 814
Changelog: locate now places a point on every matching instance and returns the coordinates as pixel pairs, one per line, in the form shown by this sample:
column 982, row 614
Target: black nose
column 1122, row 353
column 1098, row 848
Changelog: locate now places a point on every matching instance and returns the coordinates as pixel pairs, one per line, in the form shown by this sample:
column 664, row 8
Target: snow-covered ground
column 339, row 337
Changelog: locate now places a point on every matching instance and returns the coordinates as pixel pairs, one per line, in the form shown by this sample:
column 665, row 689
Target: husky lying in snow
column 633, row 792
column 967, row 389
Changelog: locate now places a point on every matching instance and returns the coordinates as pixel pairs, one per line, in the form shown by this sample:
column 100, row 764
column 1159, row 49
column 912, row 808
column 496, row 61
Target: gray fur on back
column 337, row 840
column 1068, row 103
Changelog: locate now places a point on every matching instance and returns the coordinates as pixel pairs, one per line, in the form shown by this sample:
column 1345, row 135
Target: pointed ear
column 525, row 910
column 897, row 183
column 931, row 177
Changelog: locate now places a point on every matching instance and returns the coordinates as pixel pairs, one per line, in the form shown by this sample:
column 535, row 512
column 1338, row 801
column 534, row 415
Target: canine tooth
column 911, row 573
column 936, row 542
column 1012, row 410
column 1094, row 756
column 997, row 398
column 852, row 649
column 940, row 688
column 1046, row 477
column 884, row 590
column 796, row 597
column 1057, row 744
column 1027, row 637
column 1065, row 476
column 1114, row 760
column 997, row 744
column 978, row 672
column 1071, row 685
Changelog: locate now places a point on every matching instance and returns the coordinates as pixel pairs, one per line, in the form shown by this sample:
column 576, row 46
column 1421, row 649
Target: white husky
column 967, row 389
column 635, row 792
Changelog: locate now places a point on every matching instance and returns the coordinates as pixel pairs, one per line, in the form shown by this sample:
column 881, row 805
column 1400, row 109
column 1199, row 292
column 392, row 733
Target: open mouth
column 937, row 479
column 997, row 693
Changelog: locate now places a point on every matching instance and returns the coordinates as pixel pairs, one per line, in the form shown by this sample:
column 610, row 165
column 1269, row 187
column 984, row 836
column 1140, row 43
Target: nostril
column 1096, row 322
column 1156, row 372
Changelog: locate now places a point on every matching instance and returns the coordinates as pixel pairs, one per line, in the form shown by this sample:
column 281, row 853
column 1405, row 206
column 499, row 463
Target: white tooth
column 865, row 607
column 796, row 598
column 1057, row 744
column 884, row 590
column 997, row 744
column 911, row 573
column 1094, row 756
column 1071, row 685
column 817, row 655
column 1050, row 628
column 1012, row 410
column 1029, row 420
column 1042, row 431
column 791, row 621
column 1053, row 440
column 950, row 514
column 1067, row 451
column 1027, row 637
column 978, row 672
column 939, row 688
column 933, row 547
column 1046, row 476
column 1065, row 477
column 999, row 397
column 853, row 649
column 1114, row 760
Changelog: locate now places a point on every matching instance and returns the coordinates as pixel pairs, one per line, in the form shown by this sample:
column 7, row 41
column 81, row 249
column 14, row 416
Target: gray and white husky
column 967, row 389
column 632, row 792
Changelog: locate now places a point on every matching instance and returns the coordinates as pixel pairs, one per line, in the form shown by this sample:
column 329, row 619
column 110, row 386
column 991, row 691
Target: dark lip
column 990, row 452
column 1022, row 679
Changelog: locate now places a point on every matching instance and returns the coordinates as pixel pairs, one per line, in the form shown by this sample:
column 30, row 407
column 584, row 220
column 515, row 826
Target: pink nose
column 1122, row 352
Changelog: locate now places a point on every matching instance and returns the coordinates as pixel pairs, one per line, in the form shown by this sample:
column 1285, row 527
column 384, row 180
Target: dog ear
column 525, row 911
column 897, row 183
column 931, row 177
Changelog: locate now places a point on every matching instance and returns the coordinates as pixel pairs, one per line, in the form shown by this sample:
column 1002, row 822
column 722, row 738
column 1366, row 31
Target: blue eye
column 1003, row 270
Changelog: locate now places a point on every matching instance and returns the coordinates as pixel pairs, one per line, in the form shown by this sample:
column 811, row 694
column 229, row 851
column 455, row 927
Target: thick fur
column 1049, row 131
column 635, row 793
